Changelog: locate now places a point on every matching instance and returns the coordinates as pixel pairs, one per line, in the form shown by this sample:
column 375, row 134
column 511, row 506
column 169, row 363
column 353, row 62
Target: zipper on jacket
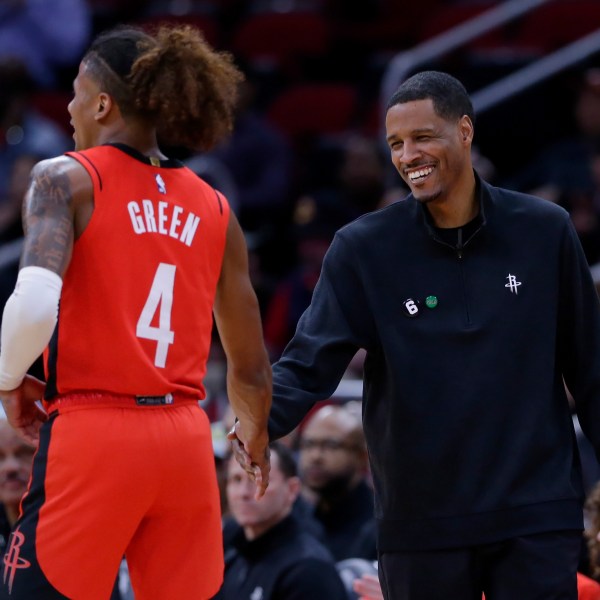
column 463, row 282
column 459, row 250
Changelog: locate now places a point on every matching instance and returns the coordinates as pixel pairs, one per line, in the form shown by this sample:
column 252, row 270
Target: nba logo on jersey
column 162, row 188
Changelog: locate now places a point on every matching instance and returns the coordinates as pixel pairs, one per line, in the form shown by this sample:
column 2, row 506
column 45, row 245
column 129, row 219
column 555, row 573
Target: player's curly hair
column 172, row 78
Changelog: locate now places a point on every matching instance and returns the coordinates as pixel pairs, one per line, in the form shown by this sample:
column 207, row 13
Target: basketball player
column 140, row 252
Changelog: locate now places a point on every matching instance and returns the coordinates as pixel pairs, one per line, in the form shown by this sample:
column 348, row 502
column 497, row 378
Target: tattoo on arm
column 48, row 219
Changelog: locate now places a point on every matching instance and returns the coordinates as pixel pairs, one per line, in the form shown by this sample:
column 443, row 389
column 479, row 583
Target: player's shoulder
column 57, row 166
column 61, row 175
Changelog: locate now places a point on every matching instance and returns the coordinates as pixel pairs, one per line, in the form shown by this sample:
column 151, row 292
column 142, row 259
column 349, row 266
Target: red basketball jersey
column 135, row 313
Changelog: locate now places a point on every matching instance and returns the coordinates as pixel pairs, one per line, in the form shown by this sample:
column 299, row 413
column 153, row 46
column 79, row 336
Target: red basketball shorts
column 114, row 479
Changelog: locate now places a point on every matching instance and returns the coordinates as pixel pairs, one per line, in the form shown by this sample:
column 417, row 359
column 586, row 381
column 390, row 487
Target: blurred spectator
column 592, row 530
column 314, row 225
column 221, row 451
column 567, row 172
column 45, row 35
column 368, row 587
column 259, row 160
column 217, row 174
column 589, row 589
column 334, row 472
column 483, row 165
column 271, row 556
column 25, row 138
column 360, row 578
column 590, row 468
column 350, row 172
column 347, row 180
column 361, row 175
column 16, row 458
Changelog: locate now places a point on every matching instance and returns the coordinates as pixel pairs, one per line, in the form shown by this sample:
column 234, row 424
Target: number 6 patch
column 410, row 307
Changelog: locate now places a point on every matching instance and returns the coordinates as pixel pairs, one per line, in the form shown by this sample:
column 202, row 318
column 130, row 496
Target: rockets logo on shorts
column 13, row 559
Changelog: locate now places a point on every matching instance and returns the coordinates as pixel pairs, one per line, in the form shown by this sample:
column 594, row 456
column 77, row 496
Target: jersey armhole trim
column 219, row 201
column 78, row 156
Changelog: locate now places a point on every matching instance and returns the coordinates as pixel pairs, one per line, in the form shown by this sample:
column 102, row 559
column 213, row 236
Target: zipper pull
column 459, row 243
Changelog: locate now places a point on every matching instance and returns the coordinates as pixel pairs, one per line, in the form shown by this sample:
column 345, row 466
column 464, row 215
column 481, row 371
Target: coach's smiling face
column 432, row 154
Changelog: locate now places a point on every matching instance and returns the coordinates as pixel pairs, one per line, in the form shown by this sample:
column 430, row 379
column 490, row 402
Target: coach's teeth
column 420, row 173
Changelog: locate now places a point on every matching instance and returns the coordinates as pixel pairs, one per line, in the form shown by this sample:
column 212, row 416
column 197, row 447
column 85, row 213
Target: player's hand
column 368, row 587
column 22, row 412
column 253, row 455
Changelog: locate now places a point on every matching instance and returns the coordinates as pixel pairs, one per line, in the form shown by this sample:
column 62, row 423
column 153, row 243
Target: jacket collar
column 483, row 192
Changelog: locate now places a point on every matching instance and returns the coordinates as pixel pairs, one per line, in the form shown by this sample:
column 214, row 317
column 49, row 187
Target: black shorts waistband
column 92, row 399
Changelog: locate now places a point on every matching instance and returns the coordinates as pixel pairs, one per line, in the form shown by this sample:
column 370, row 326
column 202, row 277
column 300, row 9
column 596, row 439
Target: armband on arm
column 28, row 323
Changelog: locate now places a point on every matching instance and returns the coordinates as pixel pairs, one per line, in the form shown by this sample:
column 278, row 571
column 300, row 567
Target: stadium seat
column 280, row 40
column 314, row 108
column 555, row 24
column 205, row 23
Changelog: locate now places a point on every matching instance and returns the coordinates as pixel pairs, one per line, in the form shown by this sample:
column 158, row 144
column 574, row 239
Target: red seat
column 445, row 18
column 558, row 23
column 314, row 108
column 396, row 27
column 278, row 40
column 205, row 23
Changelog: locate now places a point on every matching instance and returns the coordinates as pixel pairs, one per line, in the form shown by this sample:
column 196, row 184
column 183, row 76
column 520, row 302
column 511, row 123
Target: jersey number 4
column 161, row 295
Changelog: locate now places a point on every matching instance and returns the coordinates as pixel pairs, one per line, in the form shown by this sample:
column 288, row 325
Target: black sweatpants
column 533, row 567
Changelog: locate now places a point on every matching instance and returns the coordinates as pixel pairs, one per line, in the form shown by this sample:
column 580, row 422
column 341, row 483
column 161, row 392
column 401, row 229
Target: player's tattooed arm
column 48, row 210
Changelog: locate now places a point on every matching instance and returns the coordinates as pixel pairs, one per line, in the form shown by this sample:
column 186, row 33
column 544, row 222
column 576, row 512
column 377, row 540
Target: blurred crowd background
column 307, row 154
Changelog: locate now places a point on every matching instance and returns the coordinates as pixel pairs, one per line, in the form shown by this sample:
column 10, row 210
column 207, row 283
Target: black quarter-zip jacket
column 465, row 413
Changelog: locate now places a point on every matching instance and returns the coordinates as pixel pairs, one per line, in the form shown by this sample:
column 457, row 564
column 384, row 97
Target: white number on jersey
column 161, row 293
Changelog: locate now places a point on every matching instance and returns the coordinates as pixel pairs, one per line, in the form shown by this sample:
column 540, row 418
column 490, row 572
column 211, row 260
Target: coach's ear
column 466, row 129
